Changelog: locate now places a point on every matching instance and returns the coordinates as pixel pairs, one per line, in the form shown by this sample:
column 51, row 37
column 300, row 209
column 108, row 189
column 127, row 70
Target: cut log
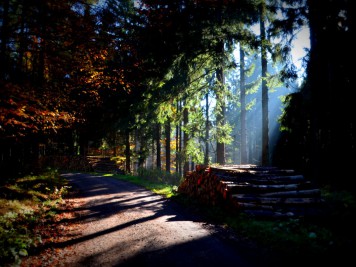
column 276, row 200
column 244, row 205
column 264, row 190
column 307, row 192
column 246, row 187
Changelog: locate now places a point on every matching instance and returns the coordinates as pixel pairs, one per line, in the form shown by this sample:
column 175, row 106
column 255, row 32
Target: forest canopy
column 138, row 75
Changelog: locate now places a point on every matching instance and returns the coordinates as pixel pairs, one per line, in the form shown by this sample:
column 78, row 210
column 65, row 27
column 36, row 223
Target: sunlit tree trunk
column 265, row 136
column 136, row 150
column 158, row 146
column 168, row 145
column 207, row 128
column 178, row 141
column 220, row 96
column 177, row 148
column 220, row 117
column 243, row 150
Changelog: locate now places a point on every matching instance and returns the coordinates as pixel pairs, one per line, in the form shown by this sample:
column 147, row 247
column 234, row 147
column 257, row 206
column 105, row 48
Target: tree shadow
column 111, row 197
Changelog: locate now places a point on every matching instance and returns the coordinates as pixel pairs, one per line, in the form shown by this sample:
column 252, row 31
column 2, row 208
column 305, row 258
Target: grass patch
column 155, row 186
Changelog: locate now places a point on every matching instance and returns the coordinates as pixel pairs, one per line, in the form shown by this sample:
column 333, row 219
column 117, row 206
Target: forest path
column 121, row 224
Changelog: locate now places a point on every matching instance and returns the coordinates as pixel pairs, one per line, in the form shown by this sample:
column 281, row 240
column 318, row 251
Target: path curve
column 122, row 224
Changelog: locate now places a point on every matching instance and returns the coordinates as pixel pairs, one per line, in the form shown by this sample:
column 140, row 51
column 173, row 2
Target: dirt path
column 121, row 224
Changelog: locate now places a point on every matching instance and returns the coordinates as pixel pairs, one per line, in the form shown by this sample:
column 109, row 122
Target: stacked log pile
column 255, row 190
column 203, row 186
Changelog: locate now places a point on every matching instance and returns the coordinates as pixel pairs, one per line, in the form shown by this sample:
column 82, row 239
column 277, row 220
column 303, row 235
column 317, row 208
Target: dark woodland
column 134, row 79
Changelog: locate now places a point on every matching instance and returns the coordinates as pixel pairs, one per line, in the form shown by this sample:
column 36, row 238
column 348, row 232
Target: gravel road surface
column 122, row 224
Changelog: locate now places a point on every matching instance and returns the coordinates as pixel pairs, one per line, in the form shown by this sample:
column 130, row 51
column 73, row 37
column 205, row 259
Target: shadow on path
column 127, row 225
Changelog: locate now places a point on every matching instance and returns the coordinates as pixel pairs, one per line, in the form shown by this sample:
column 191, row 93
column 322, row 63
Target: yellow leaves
column 101, row 55
column 21, row 112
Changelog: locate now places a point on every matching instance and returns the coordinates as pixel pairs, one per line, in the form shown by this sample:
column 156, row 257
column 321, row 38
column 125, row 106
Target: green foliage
column 159, row 176
column 28, row 201
column 252, row 88
column 15, row 240
column 196, row 154
column 251, row 104
column 158, row 181
column 273, row 82
column 250, row 70
column 222, row 133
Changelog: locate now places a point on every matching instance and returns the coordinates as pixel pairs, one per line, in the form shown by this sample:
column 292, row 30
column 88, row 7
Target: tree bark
column 207, row 128
column 4, row 40
column 168, row 145
column 185, row 140
column 127, row 151
column 243, row 154
column 265, row 135
column 158, row 146
column 220, row 116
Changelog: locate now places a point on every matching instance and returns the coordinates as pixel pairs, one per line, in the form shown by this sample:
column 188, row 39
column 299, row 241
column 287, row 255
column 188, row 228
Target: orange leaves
column 96, row 76
column 24, row 110
column 102, row 55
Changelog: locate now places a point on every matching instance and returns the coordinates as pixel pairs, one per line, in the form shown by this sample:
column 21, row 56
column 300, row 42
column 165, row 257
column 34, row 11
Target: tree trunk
column 127, row 151
column 185, row 139
column 265, row 136
column 168, row 145
column 220, row 116
column 22, row 39
column 178, row 142
column 330, row 88
column 220, row 96
column 177, row 149
column 4, row 40
column 220, row 121
column 158, row 146
column 143, row 150
column 42, row 44
column 207, row 128
column 243, row 155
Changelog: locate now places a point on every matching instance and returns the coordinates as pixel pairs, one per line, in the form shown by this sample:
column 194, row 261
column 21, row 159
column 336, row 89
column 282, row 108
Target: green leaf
column 23, row 252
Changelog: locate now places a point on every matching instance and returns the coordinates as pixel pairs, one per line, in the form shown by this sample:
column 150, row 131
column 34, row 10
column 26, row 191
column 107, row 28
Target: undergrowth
column 25, row 204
